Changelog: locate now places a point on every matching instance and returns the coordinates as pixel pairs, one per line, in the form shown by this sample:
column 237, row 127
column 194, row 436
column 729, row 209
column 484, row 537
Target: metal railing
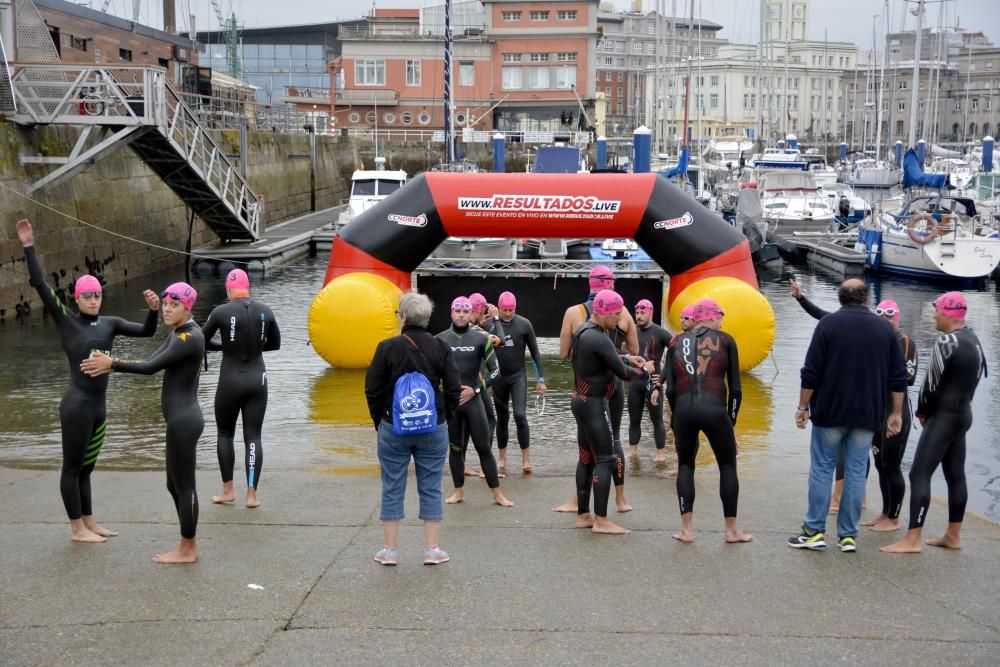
column 219, row 113
column 562, row 267
column 8, row 104
column 474, row 136
column 459, row 32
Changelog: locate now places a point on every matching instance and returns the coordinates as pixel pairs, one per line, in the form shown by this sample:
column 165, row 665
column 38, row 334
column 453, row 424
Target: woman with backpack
column 412, row 388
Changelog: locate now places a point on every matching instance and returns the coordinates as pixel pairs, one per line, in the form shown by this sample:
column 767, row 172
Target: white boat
column 871, row 173
column 975, row 159
column 860, row 209
column 792, row 202
column 726, row 152
column 779, row 158
column 822, row 173
column 369, row 187
column 958, row 170
column 932, row 236
column 620, row 248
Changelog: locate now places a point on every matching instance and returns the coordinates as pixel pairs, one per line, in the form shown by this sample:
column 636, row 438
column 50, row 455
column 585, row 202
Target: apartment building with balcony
column 517, row 66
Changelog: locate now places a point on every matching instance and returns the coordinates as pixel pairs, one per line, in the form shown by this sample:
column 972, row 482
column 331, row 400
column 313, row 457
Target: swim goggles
column 462, row 307
column 90, row 295
column 172, row 295
column 685, row 318
column 539, row 404
column 891, row 312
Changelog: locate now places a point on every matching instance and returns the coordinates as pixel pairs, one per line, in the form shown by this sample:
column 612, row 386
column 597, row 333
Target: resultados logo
column 540, row 203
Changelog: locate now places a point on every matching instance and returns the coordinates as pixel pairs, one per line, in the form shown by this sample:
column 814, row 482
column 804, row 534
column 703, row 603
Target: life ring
column 929, row 234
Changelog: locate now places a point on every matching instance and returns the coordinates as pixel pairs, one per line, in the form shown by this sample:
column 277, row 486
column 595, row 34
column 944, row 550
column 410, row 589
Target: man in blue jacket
column 852, row 363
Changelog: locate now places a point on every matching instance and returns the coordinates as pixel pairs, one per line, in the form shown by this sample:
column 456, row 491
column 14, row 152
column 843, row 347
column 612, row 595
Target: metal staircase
column 135, row 106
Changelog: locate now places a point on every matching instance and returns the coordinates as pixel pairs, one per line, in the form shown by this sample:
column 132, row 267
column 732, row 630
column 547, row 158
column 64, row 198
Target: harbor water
column 317, row 418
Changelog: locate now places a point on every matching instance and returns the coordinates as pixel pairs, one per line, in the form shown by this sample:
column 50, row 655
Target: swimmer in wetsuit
column 512, row 385
column 248, row 329
column 471, row 349
column 485, row 318
column 82, row 411
column 180, row 356
column 945, row 411
column 624, row 339
column 596, row 364
column 653, row 343
column 702, row 379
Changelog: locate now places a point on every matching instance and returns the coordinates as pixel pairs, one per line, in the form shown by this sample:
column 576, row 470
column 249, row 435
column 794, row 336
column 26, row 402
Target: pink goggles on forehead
column 461, row 304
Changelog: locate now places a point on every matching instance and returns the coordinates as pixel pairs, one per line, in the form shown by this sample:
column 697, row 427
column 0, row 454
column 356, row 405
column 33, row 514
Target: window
column 466, row 73
column 510, row 16
column 406, row 117
column 606, row 45
column 538, row 15
column 369, row 72
column 714, row 80
column 619, row 47
column 125, row 54
column 619, row 62
column 79, row 43
column 636, row 47
column 460, row 118
column 958, row 105
column 538, row 77
column 619, row 109
column 651, row 28
column 609, row 62
column 901, row 106
column 621, row 76
column 899, row 127
column 511, row 78
column 650, row 47
column 607, row 93
column 370, row 117
column 565, row 77
column 902, row 84
column 424, row 118
column 538, row 57
column 620, row 91
column 566, row 15
column 974, row 104
column 163, row 62
column 354, row 117
column 512, row 57
column 713, row 101
column 413, row 72
column 389, row 118
column 566, row 57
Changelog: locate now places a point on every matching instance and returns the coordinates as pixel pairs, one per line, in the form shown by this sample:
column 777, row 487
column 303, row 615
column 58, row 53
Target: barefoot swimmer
column 702, row 376
column 82, row 413
column 945, row 411
column 596, row 365
column 653, row 343
column 248, row 329
column 180, row 357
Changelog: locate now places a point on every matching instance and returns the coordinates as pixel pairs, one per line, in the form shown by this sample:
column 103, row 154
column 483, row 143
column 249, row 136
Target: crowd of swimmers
column 477, row 370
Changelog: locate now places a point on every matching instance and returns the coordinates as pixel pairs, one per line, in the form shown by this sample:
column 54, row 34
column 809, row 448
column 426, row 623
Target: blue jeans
column 825, row 447
column 429, row 453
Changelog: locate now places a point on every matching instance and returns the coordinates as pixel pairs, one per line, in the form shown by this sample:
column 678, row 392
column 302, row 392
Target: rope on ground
column 108, row 231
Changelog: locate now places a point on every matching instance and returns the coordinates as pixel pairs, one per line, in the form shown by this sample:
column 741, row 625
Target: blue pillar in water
column 642, row 139
column 987, row 154
column 842, row 155
column 921, row 151
column 498, row 154
column 602, row 152
column 792, row 141
column 899, row 153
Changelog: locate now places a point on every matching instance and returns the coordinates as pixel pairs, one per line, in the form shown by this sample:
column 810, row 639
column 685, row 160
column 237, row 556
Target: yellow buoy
column 749, row 317
column 350, row 316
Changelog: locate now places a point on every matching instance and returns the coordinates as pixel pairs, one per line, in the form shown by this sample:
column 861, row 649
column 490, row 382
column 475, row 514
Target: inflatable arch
column 374, row 255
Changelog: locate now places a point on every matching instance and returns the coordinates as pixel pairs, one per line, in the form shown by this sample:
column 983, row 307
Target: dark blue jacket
column 853, row 362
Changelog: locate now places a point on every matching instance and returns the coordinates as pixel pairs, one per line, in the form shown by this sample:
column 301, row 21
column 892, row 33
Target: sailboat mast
column 881, row 86
column 760, row 83
column 911, row 139
column 449, row 110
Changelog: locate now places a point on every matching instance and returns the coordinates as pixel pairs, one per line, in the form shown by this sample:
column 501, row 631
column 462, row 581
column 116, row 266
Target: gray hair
column 416, row 308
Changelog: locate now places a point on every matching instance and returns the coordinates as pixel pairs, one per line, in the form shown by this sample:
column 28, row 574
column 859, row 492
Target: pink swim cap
column 644, row 304
column 601, row 277
column 688, row 312
column 888, row 307
column 238, row 280
column 183, row 293
column 507, row 300
column 706, row 309
column 478, row 302
column 86, row 283
column 608, row 301
column 461, row 303
column 952, row 304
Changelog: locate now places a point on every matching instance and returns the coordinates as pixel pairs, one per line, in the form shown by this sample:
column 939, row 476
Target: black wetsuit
column 181, row 356
column 956, row 366
column 596, row 369
column 492, row 327
column 702, row 379
column 653, row 343
column 471, row 348
column 616, row 402
column 82, row 412
column 248, row 329
column 888, row 450
column 512, row 385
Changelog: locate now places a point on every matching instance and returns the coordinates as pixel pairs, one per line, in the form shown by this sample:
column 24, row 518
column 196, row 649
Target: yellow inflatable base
column 350, row 316
column 749, row 317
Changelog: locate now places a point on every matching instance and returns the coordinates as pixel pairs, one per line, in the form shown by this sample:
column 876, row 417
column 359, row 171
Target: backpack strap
column 417, row 348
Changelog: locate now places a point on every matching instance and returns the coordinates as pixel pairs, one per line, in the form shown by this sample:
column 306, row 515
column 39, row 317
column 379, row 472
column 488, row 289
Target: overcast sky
column 843, row 20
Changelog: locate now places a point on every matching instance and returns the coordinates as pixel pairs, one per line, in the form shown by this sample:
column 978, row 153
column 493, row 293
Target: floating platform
column 822, row 251
column 278, row 244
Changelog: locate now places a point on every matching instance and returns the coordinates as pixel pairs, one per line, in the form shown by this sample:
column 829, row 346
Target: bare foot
column 946, row 542
column 527, row 468
column 102, row 531
column 834, row 509
column 605, row 527
column 737, row 537
column 454, row 498
column 584, row 520
column 223, row 499
column 886, row 526
column 571, row 506
column 252, row 502
column 623, row 507
column 501, row 500
column 472, row 472
column 177, row 556
column 876, row 520
column 660, row 459
column 685, row 536
column 88, row 537
column 902, row 547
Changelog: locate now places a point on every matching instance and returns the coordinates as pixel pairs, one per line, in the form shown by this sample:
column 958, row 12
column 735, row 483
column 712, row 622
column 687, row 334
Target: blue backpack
column 414, row 408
